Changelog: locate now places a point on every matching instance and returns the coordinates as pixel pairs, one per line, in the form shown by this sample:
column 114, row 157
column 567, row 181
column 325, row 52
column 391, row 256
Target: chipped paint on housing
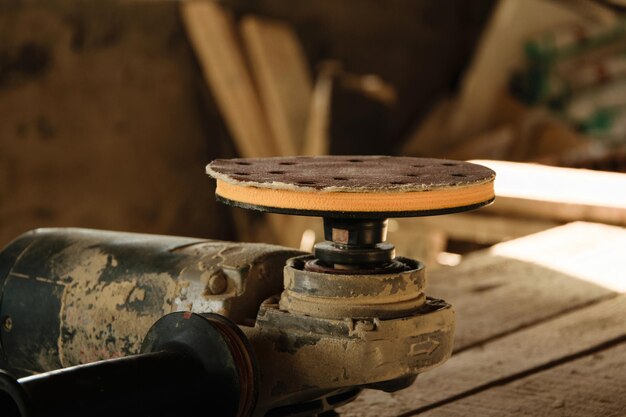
column 102, row 319
column 318, row 356
column 102, row 291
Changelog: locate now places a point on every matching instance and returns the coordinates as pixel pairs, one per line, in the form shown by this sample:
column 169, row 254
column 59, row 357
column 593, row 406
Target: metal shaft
column 354, row 243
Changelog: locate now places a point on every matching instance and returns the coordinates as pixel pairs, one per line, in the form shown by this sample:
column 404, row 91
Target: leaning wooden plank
column 501, row 51
column 280, row 69
column 562, row 194
column 593, row 385
column 317, row 137
column 505, row 359
column 212, row 33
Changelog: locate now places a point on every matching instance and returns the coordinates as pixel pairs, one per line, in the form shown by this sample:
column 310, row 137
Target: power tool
column 111, row 323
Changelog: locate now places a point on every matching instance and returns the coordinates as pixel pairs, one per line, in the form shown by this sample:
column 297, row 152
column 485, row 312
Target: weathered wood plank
column 561, row 194
column 517, row 283
column 317, row 140
column 512, row 22
column 594, row 385
column 213, row 35
column 518, row 353
column 281, row 72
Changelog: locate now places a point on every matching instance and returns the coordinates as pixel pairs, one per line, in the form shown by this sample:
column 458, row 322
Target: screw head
column 7, row 323
column 217, row 283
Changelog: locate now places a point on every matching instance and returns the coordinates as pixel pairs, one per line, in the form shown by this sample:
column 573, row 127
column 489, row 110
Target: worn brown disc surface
column 353, row 186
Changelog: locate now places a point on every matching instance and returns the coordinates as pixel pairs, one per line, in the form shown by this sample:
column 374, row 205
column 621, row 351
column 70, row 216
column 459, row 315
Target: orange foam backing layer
column 445, row 198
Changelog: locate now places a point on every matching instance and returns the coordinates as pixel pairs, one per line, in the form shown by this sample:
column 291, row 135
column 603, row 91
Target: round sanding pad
column 353, row 186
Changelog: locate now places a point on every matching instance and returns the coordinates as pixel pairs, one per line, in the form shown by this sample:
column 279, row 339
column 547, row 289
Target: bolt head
column 7, row 323
column 217, row 283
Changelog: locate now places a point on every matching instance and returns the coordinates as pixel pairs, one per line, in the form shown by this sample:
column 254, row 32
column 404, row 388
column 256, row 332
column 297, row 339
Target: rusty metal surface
column 331, row 333
column 334, row 295
column 307, row 357
column 76, row 295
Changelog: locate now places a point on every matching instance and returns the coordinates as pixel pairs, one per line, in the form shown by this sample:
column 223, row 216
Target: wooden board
column 317, row 140
column 531, row 198
column 561, row 194
column 213, row 36
column 515, row 316
column 520, row 282
column 593, row 385
column 501, row 51
column 281, row 73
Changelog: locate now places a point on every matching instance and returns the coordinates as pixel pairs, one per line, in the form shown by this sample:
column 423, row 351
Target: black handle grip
column 194, row 365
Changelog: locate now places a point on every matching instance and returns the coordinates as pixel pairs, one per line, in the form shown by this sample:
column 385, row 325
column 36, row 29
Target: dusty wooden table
column 541, row 331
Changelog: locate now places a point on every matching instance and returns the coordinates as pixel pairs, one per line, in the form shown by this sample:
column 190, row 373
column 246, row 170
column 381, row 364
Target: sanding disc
column 353, row 186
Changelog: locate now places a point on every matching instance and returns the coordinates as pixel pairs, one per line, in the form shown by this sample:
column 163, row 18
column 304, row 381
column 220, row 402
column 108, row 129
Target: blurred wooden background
column 107, row 121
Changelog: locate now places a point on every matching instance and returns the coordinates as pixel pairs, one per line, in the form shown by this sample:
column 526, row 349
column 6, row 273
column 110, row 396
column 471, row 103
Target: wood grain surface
column 592, row 385
column 281, row 72
column 213, row 35
column 561, row 194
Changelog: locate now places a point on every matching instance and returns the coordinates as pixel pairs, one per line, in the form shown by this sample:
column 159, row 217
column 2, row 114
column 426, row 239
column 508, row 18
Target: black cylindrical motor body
column 73, row 296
